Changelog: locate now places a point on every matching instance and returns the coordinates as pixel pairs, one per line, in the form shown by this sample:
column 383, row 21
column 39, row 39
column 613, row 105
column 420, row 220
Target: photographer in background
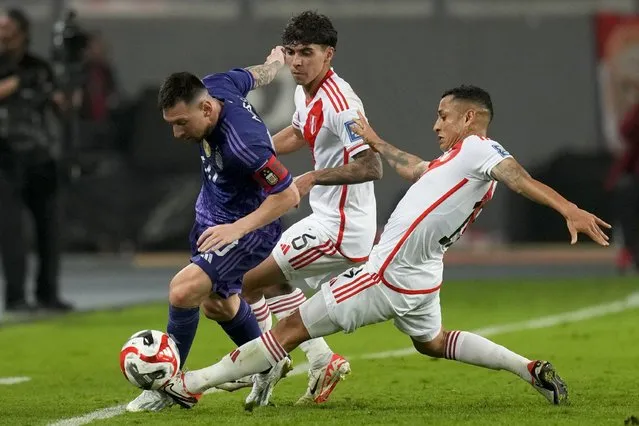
column 28, row 167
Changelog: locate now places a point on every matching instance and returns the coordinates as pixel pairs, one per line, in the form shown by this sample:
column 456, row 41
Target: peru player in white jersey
column 341, row 229
column 402, row 278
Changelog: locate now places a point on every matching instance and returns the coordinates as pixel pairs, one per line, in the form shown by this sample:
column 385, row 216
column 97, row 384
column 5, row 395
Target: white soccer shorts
column 358, row 298
column 307, row 250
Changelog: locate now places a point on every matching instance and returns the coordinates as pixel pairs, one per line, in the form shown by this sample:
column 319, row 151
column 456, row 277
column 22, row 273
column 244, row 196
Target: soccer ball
column 149, row 359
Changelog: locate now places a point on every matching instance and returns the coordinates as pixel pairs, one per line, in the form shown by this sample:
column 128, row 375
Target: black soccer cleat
column 547, row 382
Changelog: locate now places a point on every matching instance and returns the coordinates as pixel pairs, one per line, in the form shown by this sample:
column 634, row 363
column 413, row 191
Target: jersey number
column 302, row 241
column 479, row 205
column 224, row 250
column 352, row 272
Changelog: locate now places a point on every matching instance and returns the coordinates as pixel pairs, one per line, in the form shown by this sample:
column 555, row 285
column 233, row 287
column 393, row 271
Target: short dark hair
column 472, row 94
column 310, row 28
column 179, row 86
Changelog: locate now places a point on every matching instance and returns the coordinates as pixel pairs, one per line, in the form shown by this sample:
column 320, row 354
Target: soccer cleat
column 548, row 383
column 321, row 382
column 244, row 382
column 149, row 400
column 176, row 389
column 264, row 383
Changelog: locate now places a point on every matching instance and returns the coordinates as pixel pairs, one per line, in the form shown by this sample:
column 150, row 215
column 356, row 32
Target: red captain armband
column 271, row 175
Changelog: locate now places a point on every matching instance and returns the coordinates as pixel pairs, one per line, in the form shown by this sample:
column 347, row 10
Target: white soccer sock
column 253, row 357
column 283, row 306
column 476, row 350
column 316, row 350
column 262, row 314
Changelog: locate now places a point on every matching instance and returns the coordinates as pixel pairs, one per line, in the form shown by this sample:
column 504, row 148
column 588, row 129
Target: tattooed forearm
column 265, row 73
column 517, row 178
column 419, row 170
column 408, row 166
column 366, row 167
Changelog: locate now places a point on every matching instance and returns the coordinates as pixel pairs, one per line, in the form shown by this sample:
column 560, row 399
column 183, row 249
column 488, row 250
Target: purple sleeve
column 255, row 155
column 242, row 79
column 237, row 80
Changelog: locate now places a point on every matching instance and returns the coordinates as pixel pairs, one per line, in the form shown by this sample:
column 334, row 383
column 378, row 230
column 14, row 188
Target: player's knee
column 290, row 331
column 433, row 348
column 220, row 310
column 188, row 288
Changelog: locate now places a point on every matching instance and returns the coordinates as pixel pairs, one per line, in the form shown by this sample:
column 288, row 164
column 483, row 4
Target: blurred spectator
column 28, row 167
column 624, row 180
column 99, row 97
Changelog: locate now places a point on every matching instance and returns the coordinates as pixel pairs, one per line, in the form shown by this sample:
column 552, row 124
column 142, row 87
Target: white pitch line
column 630, row 302
column 13, row 380
column 105, row 413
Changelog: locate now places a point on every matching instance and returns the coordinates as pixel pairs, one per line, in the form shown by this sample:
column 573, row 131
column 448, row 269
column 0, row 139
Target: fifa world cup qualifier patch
column 500, row 149
column 354, row 137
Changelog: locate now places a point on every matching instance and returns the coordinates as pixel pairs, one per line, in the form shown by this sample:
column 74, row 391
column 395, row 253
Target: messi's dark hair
column 179, row 86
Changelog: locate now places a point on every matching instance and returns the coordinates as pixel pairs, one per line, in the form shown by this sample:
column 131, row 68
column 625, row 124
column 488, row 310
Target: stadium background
column 128, row 213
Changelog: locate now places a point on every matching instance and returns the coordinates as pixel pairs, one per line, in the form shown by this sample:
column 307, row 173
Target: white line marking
column 13, row 380
column 630, row 302
column 105, row 413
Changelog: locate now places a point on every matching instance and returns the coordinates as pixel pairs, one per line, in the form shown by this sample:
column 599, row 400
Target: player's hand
column 216, row 237
column 304, row 183
column 579, row 220
column 363, row 129
column 276, row 55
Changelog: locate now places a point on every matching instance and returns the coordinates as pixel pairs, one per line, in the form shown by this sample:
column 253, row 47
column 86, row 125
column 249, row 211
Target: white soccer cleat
column 547, row 382
column 244, row 382
column 264, row 383
column 176, row 389
column 322, row 381
column 149, row 400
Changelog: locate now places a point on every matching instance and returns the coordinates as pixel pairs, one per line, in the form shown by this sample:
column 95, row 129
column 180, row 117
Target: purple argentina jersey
column 239, row 170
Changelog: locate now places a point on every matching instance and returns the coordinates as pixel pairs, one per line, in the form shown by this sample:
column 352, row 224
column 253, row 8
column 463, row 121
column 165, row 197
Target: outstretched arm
column 288, row 140
column 408, row 166
column 265, row 73
column 366, row 167
column 511, row 173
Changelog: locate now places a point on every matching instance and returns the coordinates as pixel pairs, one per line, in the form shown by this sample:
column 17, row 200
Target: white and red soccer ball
column 149, row 359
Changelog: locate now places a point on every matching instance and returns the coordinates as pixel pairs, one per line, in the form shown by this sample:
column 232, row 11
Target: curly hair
column 310, row 28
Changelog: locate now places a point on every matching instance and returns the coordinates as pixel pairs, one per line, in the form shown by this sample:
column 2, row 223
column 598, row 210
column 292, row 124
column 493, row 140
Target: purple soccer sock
column 182, row 327
column 243, row 327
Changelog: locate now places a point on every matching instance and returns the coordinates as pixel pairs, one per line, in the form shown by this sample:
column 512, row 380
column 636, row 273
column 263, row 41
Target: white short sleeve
column 295, row 122
column 342, row 123
column 482, row 155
